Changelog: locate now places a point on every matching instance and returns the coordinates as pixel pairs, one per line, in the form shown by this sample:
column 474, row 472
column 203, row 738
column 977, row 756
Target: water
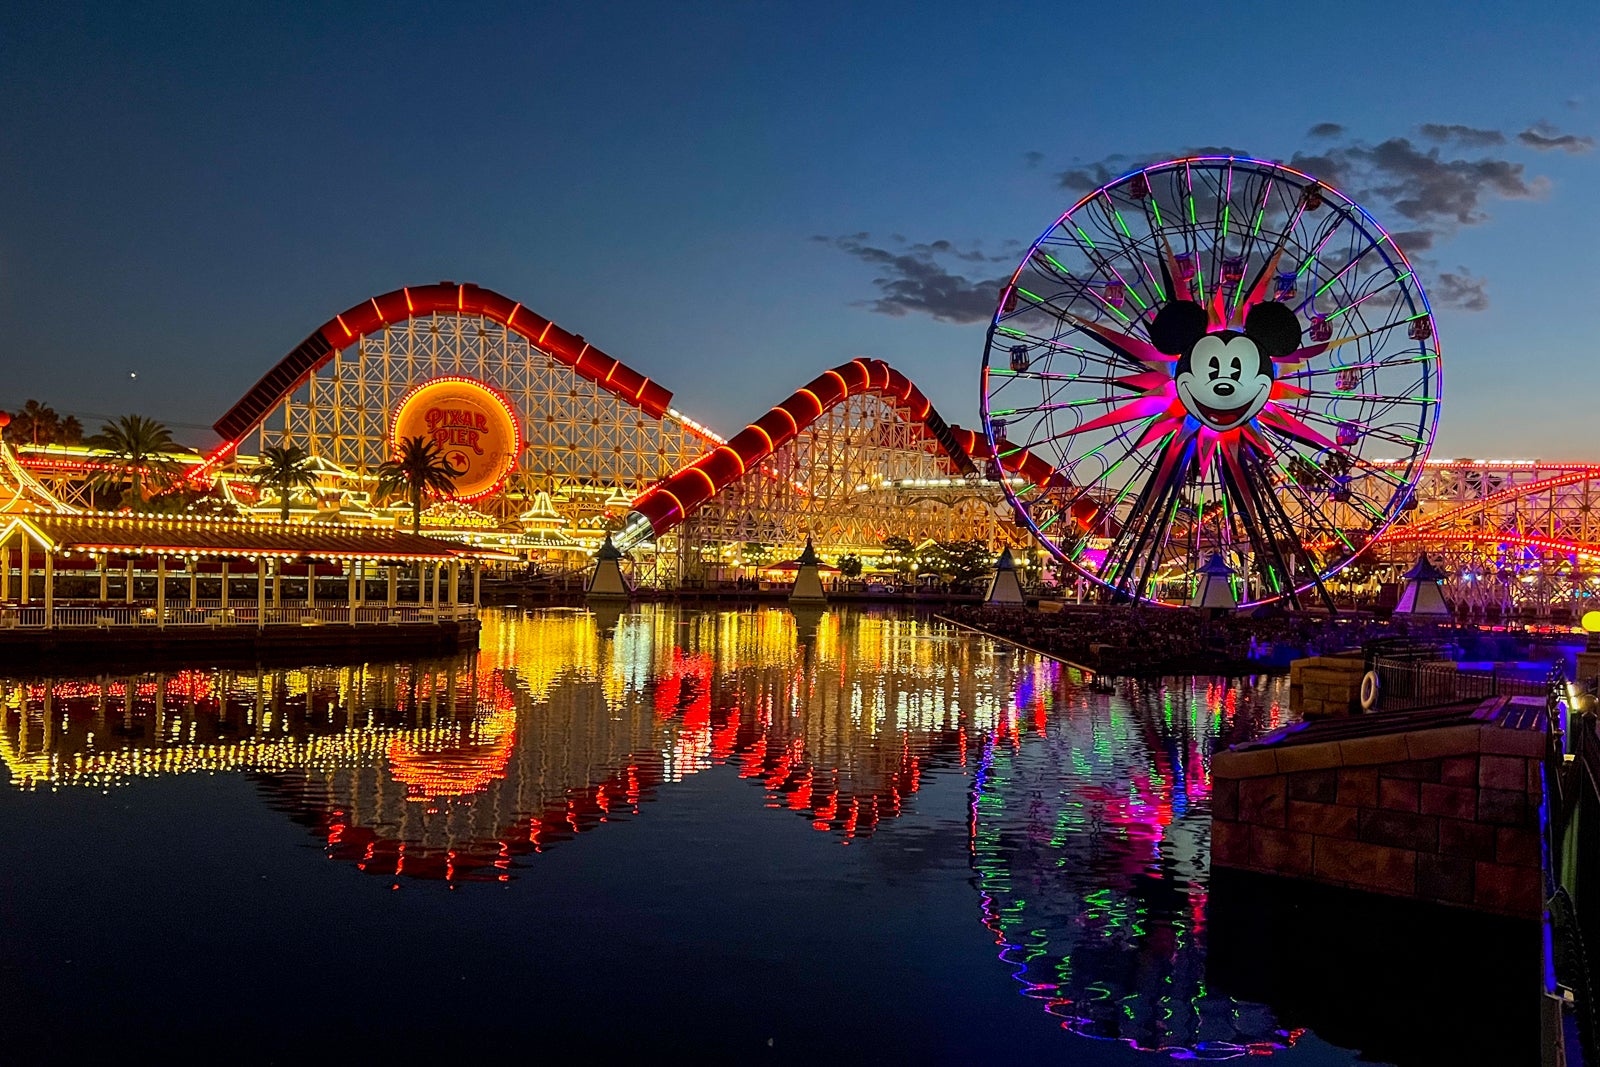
column 732, row 833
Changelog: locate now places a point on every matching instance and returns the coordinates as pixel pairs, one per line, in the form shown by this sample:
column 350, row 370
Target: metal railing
column 1407, row 684
column 147, row 616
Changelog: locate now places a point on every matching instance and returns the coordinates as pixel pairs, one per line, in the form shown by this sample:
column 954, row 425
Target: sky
column 734, row 197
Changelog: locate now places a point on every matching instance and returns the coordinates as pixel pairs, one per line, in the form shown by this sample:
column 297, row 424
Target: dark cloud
column 1546, row 138
column 1031, row 160
column 913, row 279
column 1466, row 136
column 1460, row 289
column 1438, row 194
column 1083, row 178
column 1326, row 129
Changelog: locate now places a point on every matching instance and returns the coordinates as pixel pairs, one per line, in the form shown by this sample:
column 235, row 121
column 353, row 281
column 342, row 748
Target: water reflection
column 1087, row 829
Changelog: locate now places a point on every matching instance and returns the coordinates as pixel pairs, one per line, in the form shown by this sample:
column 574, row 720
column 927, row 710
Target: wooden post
column 194, row 585
column 161, row 592
column 127, row 594
column 350, row 586
column 394, row 585
column 422, row 583
column 5, row 573
column 27, row 557
column 436, row 568
column 224, row 599
column 311, row 583
column 105, row 581
column 49, row 590
column 261, row 591
column 455, row 584
column 477, row 584
column 277, row 583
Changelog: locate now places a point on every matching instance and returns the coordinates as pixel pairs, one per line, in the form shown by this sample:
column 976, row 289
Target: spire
column 608, row 550
column 1005, row 562
column 1424, row 570
column 808, row 555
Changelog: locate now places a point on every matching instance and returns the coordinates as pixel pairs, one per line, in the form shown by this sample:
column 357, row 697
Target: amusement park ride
column 1210, row 356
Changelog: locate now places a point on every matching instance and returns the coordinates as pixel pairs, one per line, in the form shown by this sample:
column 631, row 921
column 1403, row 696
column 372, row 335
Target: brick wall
column 1449, row 814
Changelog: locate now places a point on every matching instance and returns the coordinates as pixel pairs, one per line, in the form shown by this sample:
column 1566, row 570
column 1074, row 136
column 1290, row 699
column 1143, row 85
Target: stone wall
column 1324, row 686
column 1449, row 814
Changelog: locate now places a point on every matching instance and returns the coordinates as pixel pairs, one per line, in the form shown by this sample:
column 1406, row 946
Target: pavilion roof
column 248, row 538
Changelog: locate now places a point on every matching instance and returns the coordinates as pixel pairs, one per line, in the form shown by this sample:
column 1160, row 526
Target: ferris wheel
column 1211, row 357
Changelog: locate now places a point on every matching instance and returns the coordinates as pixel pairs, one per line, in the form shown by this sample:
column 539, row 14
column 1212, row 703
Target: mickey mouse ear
column 1177, row 326
column 1274, row 328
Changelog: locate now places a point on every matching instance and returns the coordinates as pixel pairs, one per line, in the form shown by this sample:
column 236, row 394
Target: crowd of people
column 1125, row 639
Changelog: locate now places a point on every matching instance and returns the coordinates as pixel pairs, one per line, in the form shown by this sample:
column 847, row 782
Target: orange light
column 843, row 385
column 379, row 311
column 340, row 320
column 677, row 505
column 785, row 413
column 410, row 307
column 512, row 318
column 765, row 436
column 711, row 486
column 609, row 373
column 577, row 364
column 814, row 399
column 640, row 393
column 542, row 333
column 461, row 297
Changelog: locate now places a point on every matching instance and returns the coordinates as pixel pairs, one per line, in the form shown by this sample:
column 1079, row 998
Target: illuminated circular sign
column 472, row 424
column 1591, row 621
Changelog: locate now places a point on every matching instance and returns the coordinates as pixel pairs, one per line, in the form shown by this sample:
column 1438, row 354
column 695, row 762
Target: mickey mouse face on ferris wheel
column 1224, row 378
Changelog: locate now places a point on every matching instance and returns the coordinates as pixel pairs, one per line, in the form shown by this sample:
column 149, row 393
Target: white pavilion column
column 277, row 583
column 455, row 584
column 350, row 588
column 436, row 568
column 422, row 584
column 194, row 584
column 311, row 584
column 49, row 590
column 5, row 573
column 127, row 593
column 224, row 585
column 105, row 580
column 161, row 592
column 394, row 585
column 261, row 591
column 27, row 553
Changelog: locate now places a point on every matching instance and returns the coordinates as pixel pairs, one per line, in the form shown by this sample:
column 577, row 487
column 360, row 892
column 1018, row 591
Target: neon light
column 640, row 393
column 677, row 505
column 342, row 326
column 765, row 436
column 842, row 383
column 542, row 333
column 814, row 399
column 711, row 485
column 736, row 457
column 410, row 307
column 790, row 417
column 512, row 318
column 379, row 311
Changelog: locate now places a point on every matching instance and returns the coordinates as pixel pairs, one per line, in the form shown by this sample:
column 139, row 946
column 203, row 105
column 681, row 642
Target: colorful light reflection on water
column 1087, row 831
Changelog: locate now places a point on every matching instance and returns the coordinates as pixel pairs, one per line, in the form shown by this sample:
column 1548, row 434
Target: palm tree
column 140, row 449
column 284, row 468
column 418, row 467
column 39, row 424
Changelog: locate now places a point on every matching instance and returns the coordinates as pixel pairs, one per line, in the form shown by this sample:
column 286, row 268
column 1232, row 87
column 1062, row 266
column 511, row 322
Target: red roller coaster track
column 679, row 494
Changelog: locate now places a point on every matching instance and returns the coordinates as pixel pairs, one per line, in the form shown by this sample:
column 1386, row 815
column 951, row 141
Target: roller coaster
column 855, row 456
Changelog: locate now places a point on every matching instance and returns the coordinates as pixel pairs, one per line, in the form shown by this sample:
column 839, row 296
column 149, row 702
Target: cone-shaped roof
column 1005, row 562
column 1216, row 566
column 608, row 550
column 808, row 555
column 1423, row 570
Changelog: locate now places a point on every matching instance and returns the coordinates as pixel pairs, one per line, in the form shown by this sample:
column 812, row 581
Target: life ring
column 1369, row 690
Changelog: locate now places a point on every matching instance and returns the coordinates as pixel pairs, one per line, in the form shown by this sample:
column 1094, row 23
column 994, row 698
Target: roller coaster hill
column 557, row 444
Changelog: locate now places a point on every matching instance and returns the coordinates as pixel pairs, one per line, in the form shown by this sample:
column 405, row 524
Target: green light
column 1085, row 237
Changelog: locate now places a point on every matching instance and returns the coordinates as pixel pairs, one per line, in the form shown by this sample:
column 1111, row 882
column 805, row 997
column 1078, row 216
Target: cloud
column 1468, row 136
column 1546, row 138
column 1460, row 289
column 1444, row 178
column 912, row 279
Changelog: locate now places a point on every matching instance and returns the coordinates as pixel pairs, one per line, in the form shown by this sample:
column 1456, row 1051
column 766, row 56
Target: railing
column 146, row 616
column 1405, row 684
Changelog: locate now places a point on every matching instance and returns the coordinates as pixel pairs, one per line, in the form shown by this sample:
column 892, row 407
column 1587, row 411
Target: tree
column 139, row 451
column 850, row 565
column 418, row 467
column 284, row 468
column 899, row 554
column 959, row 561
column 756, row 554
column 38, row 424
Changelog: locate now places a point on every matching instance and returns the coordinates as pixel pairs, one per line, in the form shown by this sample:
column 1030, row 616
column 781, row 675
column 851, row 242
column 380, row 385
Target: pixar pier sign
column 472, row 424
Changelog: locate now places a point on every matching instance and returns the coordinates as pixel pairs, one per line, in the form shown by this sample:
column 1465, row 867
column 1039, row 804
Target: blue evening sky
column 186, row 192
